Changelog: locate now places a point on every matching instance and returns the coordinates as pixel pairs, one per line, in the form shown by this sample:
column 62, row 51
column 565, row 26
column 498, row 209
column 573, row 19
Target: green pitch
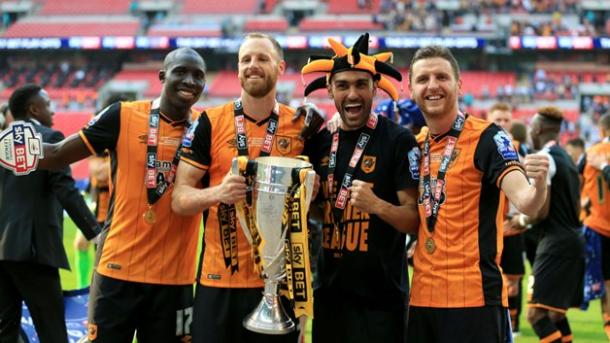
column 586, row 325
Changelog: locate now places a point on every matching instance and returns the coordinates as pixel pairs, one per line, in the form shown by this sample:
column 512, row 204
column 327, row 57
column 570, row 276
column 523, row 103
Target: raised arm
column 72, row 201
column 63, row 153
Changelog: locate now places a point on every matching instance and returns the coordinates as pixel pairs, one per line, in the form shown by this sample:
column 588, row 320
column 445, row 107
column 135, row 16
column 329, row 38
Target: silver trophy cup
column 270, row 189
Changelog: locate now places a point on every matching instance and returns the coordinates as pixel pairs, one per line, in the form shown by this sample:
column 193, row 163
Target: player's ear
column 162, row 75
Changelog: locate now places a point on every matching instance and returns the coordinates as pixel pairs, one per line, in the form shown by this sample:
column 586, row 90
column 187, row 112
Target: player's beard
column 258, row 89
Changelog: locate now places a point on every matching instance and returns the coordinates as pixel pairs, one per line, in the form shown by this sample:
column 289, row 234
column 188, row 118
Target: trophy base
column 269, row 317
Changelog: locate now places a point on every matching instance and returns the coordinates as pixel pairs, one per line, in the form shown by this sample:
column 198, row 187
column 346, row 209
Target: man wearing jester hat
column 368, row 194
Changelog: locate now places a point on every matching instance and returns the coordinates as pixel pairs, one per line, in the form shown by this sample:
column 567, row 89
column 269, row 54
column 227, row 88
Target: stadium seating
column 149, row 76
column 84, row 7
column 220, row 7
column 193, row 30
column 266, row 24
column 352, row 6
column 328, row 23
column 73, row 26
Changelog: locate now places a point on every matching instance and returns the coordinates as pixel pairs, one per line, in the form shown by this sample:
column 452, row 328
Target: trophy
column 279, row 187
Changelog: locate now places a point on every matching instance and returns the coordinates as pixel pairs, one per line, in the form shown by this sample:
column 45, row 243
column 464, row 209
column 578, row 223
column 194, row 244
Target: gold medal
column 149, row 216
column 430, row 245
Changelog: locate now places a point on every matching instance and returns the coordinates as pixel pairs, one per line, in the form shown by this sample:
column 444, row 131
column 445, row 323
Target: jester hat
column 355, row 58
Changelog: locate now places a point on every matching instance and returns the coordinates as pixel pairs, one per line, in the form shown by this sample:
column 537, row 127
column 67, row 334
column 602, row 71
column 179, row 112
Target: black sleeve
column 197, row 143
column 495, row 153
column 407, row 157
column 582, row 162
column 102, row 132
column 72, row 201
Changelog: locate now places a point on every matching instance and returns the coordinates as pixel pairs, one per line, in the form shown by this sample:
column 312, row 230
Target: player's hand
column 232, row 189
column 313, row 119
column 512, row 226
column 537, row 168
column 334, row 123
column 362, row 196
column 80, row 242
column 596, row 160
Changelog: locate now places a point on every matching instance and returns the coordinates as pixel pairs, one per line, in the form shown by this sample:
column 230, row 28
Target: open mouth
column 353, row 109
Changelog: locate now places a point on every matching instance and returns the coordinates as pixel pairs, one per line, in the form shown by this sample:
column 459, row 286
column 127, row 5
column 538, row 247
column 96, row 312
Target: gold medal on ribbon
column 430, row 245
column 149, row 216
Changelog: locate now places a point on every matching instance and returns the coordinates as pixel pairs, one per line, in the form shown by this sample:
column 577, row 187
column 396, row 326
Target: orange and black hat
column 355, row 58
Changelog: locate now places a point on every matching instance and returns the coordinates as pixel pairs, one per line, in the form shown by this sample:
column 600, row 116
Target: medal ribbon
column 431, row 198
column 226, row 213
column 340, row 199
column 298, row 267
column 155, row 189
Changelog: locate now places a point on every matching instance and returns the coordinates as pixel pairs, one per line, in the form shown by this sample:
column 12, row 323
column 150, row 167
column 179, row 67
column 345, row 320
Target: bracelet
column 522, row 221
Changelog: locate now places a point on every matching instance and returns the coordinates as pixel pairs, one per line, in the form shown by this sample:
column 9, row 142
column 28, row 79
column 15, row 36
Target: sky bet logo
column 20, row 148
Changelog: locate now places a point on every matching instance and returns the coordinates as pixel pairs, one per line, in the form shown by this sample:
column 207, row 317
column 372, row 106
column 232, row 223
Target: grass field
column 586, row 325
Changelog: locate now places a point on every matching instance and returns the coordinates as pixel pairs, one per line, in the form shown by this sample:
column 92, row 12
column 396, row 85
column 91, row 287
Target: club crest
column 368, row 164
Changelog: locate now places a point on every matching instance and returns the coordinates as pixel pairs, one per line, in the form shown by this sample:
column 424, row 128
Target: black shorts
column 512, row 262
column 487, row 324
column 159, row 313
column 338, row 319
column 218, row 314
column 557, row 282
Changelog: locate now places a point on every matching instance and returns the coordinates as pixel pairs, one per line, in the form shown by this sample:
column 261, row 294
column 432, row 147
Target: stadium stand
column 62, row 26
column 61, row 7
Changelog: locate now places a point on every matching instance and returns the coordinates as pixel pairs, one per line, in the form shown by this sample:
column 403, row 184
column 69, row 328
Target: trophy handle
column 309, row 184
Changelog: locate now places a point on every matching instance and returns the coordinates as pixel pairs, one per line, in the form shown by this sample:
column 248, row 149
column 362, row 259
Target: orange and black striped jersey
column 163, row 252
column 597, row 190
column 212, row 149
column 463, row 270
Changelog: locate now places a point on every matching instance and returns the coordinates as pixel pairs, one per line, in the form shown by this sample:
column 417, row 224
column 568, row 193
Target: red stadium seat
column 339, row 23
column 219, row 7
column 266, row 24
column 84, row 7
column 66, row 29
column 212, row 30
column 351, row 6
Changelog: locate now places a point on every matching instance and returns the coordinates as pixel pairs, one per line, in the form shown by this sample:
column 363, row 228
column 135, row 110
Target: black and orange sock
column 547, row 331
column 607, row 325
column 513, row 307
column 564, row 327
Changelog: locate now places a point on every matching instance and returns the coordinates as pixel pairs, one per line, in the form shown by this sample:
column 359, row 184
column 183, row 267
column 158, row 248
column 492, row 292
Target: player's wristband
column 603, row 166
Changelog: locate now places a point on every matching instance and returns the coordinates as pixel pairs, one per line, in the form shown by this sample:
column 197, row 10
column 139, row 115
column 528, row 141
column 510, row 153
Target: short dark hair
column 274, row 42
column 577, row 143
column 551, row 113
column 519, row 131
column 433, row 51
column 20, row 100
